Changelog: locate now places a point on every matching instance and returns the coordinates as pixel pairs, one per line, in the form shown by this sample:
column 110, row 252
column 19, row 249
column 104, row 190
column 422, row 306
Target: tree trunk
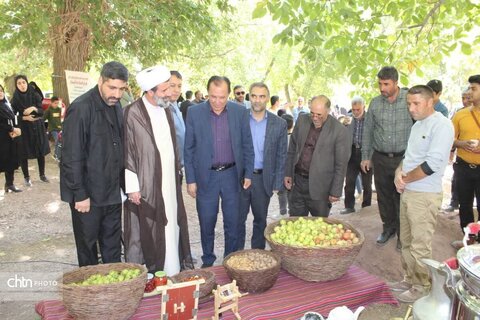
column 287, row 93
column 269, row 69
column 71, row 39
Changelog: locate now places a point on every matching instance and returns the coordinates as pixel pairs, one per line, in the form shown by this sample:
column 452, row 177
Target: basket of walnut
column 254, row 270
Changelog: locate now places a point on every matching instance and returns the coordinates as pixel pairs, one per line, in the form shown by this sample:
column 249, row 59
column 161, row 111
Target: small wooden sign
column 226, row 295
column 180, row 300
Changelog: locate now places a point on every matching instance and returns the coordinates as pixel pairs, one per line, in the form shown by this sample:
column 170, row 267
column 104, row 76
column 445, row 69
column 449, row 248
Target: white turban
column 151, row 77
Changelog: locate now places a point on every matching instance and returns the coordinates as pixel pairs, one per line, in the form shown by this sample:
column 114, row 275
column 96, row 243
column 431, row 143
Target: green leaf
column 259, row 11
column 458, row 33
column 277, row 38
column 419, row 72
column 354, row 78
column 466, row 49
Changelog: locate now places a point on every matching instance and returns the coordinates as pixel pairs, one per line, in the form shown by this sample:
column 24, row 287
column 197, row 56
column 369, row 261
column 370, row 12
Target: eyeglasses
column 240, row 93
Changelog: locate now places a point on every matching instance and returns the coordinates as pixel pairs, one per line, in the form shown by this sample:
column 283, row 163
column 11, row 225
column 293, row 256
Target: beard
column 161, row 102
column 258, row 107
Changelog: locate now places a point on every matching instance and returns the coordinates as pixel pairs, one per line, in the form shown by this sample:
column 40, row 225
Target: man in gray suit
column 317, row 160
column 269, row 135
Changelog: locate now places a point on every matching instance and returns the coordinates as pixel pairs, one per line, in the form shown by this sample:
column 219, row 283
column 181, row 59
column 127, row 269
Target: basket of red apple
column 314, row 248
column 104, row 291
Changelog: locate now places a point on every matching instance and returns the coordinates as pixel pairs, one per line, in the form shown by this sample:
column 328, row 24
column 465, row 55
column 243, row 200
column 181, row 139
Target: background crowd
column 241, row 150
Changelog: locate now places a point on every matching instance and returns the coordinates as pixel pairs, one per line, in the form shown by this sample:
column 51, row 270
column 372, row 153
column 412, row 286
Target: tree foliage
column 78, row 32
column 357, row 37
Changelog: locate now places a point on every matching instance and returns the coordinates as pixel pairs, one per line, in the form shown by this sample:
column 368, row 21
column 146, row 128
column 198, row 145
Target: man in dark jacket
column 91, row 171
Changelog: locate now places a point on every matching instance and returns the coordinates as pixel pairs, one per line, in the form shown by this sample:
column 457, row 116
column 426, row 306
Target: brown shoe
column 412, row 295
column 399, row 286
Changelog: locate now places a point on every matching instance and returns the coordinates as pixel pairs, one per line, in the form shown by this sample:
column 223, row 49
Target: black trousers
column 9, row 178
column 353, row 169
column 454, row 190
column 102, row 224
column 468, row 180
column 41, row 167
column 387, row 196
column 301, row 203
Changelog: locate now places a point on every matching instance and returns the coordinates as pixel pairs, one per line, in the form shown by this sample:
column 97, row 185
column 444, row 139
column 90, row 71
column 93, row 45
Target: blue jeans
column 54, row 134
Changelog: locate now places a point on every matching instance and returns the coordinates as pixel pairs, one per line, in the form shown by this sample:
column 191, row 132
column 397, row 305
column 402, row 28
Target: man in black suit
column 92, row 166
column 269, row 135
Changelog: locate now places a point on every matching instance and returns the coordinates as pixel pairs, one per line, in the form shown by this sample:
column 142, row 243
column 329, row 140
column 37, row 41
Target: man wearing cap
column 156, row 230
column 91, row 168
column 218, row 162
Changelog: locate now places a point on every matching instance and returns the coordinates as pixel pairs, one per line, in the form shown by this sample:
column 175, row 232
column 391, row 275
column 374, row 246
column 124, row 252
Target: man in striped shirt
column 385, row 137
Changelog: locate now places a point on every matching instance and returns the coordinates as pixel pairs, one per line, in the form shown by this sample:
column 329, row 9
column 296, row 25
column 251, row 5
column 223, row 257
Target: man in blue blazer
column 218, row 163
column 269, row 135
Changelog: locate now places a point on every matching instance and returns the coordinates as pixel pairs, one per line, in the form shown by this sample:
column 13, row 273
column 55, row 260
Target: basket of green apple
column 104, row 291
column 314, row 248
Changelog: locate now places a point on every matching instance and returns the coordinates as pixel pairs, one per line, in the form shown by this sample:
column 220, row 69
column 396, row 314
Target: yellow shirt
column 465, row 129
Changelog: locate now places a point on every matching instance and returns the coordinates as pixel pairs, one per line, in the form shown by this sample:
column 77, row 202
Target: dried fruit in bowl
column 193, row 278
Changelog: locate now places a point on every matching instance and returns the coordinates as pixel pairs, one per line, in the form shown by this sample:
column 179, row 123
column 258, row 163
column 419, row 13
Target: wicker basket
column 254, row 281
column 114, row 301
column 205, row 288
column 316, row 263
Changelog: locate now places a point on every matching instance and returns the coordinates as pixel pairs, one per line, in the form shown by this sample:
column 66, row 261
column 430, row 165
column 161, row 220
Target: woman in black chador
column 28, row 103
column 8, row 142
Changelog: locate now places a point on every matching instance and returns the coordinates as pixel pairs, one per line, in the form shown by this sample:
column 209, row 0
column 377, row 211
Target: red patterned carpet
column 289, row 298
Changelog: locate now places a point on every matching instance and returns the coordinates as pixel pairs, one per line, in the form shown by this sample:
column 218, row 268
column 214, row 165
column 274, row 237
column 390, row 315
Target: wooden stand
column 226, row 294
column 180, row 300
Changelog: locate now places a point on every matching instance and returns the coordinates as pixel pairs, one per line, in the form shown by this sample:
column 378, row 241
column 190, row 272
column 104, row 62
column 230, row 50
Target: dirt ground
column 36, row 240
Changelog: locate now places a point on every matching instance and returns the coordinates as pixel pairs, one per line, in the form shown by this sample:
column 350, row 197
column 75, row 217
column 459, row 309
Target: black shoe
column 347, row 211
column 44, row 179
column 12, row 188
column 28, row 182
column 205, row 265
column 384, row 237
column 399, row 245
